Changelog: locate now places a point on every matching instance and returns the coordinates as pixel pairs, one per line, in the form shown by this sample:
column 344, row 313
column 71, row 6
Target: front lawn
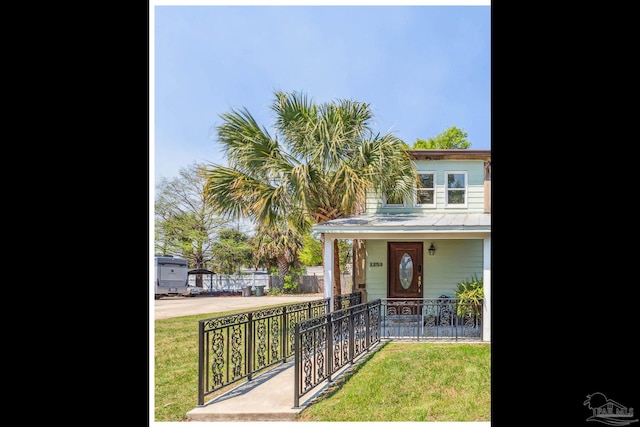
column 399, row 382
column 412, row 382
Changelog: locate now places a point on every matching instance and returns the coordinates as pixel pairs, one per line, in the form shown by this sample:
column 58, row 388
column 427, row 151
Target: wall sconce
column 432, row 250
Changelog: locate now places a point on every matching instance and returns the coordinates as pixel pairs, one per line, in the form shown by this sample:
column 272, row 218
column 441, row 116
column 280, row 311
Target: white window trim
column 389, row 205
column 435, row 191
column 465, row 188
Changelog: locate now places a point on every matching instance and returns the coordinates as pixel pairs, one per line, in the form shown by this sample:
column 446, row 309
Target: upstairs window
column 456, row 189
column 426, row 190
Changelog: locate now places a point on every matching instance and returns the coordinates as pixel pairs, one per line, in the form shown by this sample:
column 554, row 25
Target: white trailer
column 172, row 276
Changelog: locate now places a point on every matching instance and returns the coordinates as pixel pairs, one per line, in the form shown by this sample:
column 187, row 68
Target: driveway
column 202, row 304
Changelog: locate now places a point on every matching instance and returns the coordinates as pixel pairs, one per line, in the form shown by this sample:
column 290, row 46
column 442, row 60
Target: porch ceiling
column 377, row 224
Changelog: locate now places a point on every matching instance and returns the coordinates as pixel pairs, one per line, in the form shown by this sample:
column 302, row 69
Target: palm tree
column 280, row 243
column 318, row 167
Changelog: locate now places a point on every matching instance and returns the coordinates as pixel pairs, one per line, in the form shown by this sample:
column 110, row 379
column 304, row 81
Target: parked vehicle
column 172, row 277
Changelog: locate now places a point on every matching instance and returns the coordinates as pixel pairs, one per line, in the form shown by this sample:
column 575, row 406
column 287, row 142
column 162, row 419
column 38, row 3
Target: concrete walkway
column 209, row 304
column 267, row 397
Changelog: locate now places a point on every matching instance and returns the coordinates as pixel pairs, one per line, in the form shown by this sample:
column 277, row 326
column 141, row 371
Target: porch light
column 432, row 250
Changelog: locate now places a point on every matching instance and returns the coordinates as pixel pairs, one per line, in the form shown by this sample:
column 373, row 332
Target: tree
column 185, row 224
column 280, row 243
column 231, row 251
column 311, row 252
column 452, row 138
column 318, row 167
column 346, row 254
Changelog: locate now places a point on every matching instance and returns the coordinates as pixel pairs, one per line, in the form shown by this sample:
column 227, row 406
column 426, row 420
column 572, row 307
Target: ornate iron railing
column 324, row 344
column 235, row 347
column 431, row 318
column 346, row 300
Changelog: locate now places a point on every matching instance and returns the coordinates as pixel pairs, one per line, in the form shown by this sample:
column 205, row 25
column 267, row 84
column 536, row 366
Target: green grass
column 412, row 382
column 399, row 382
column 176, row 366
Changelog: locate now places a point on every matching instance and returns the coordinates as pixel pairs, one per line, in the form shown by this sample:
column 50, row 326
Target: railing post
column 420, row 317
column 285, row 334
column 329, row 361
column 418, row 309
column 351, row 335
column 249, row 347
column 480, row 320
column 296, row 366
column 367, row 326
column 454, row 313
column 201, row 375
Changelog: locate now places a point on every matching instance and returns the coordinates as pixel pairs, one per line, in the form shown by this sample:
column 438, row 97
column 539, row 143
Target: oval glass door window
column 406, row 270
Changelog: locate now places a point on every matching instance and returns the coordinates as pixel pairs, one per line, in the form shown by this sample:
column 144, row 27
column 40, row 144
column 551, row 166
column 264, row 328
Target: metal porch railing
column 235, row 347
column 325, row 344
column 431, row 319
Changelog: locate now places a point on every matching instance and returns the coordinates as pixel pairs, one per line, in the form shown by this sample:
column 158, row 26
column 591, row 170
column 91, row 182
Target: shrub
column 470, row 293
column 273, row 291
column 290, row 285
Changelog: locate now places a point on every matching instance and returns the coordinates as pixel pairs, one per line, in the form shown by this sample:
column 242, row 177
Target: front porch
column 431, row 319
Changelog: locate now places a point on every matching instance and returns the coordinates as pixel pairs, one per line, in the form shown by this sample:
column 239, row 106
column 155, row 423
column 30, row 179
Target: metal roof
column 408, row 223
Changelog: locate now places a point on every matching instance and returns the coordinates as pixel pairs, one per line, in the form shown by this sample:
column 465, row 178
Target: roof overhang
column 458, row 154
column 411, row 226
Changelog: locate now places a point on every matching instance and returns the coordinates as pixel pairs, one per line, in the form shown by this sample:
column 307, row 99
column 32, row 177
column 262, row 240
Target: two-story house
column 422, row 248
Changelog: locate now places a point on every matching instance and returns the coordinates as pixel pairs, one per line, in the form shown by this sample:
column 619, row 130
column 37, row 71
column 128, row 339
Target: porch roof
column 475, row 222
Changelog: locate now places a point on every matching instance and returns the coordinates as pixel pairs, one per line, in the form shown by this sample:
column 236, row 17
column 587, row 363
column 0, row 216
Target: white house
column 443, row 234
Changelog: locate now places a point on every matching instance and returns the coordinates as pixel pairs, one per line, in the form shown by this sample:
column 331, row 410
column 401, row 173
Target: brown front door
column 405, row 274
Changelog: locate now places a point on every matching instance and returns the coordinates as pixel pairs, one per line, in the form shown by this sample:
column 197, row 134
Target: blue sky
column 422, row 68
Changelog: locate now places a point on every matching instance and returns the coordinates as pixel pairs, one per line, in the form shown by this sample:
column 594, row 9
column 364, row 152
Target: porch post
column 486, row 278
column 328, row 269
